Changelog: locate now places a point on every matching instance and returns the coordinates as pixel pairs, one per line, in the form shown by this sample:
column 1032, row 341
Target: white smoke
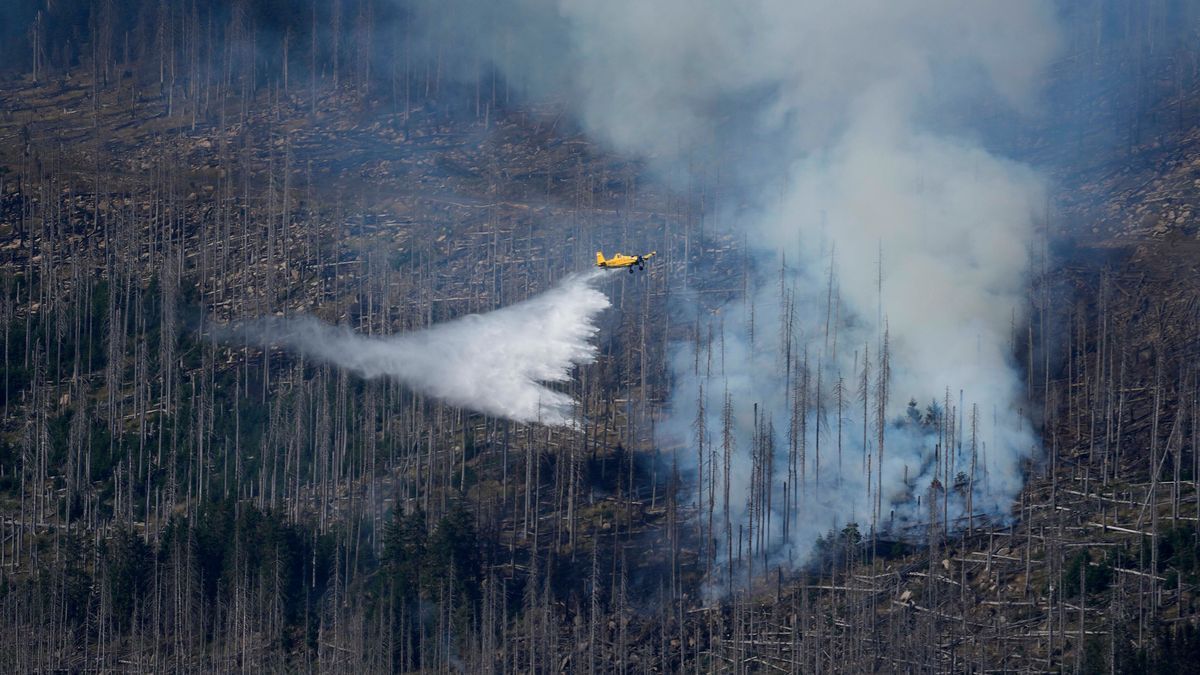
column 848, row 132
column 952, row 224
column 495, row 363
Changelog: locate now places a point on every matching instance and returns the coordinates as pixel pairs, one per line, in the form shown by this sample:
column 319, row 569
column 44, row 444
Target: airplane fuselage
column 622, row 260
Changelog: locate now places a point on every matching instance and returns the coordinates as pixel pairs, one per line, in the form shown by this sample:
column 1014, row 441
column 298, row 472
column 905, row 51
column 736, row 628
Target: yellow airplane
column 620, row 260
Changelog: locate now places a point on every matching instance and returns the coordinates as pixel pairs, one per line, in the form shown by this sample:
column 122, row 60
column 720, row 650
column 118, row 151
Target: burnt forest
column 319, row 355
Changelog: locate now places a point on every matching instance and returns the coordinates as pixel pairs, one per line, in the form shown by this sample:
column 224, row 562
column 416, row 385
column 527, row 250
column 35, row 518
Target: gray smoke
column 495, row 363
column 846, row 127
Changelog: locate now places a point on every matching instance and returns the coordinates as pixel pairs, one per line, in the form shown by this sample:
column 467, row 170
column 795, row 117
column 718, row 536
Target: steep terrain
column 168, row 502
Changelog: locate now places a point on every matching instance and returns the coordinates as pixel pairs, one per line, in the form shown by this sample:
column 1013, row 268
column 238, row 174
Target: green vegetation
column 1097, row 573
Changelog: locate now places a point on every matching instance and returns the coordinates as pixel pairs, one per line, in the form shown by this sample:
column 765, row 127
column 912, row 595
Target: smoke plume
column 497, row 363
column 891, row 245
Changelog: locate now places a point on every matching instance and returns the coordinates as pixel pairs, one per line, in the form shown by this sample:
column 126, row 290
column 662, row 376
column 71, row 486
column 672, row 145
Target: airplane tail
column 599, row 259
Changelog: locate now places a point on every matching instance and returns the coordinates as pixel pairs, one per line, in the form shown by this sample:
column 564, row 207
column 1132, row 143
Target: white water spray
column 497, row 363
